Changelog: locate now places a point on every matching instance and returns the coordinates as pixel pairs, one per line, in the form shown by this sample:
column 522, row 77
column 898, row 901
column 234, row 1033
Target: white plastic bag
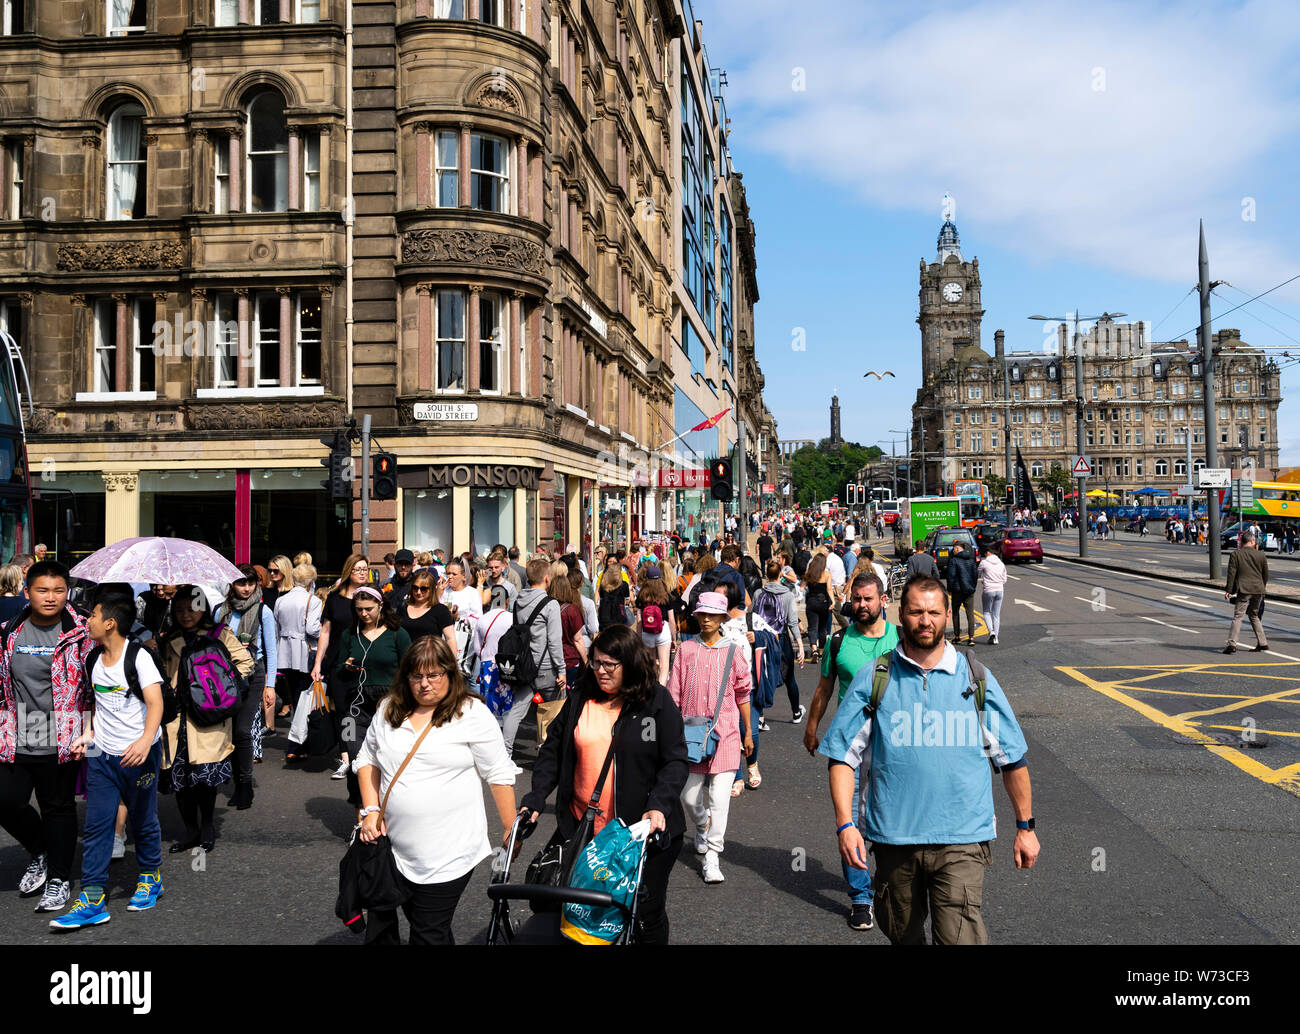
column 301, row 710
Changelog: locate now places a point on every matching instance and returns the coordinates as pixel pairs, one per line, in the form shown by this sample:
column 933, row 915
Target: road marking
column 1168, row 625
column 1195, row 588
column 1033, row 606
column 1287, row 778
column 1095, row 604
column 1013, row 577
column 1237, row 729
column 1047, row 587
column 1248, row 702
column 1190, row 603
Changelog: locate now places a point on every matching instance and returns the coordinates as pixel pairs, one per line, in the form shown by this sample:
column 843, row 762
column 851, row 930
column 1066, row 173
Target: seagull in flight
column 879, row 376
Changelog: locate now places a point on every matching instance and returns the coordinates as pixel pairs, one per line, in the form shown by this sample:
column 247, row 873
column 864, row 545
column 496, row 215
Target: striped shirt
column 693, row 684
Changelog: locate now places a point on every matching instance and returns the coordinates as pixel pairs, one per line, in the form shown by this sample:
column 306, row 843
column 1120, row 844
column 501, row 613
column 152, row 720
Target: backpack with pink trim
column 209, row 686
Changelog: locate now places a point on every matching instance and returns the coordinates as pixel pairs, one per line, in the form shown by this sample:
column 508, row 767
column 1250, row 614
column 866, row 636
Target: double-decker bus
column 974, row 496
column 15, row 485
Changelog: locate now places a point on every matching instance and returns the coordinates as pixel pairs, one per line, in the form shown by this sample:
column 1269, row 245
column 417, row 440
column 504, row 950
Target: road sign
column 1081, row 468
column 1243, row 493
column 1214, row 477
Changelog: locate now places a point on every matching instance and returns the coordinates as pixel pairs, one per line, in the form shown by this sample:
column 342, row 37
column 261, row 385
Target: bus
column 15, row 485
column 974, row 496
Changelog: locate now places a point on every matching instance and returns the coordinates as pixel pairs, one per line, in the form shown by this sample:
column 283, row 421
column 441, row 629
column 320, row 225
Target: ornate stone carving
column 271, row 414
column 475, row 247
column 113, row 480
column 79, row 300
column 74, row 258
column 262, row 250
column 498, row 97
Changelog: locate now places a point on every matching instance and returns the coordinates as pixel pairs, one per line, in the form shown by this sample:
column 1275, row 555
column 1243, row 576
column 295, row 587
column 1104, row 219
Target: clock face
column 952, row 291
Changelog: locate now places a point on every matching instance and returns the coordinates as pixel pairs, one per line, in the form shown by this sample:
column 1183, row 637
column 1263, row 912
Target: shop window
column 491, row 516
column 127, row 166
column 450, row 319
column 125, row 17
column 267, row 154
column 427, row 519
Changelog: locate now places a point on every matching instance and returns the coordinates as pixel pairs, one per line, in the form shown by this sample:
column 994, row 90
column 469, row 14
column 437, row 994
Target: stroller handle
column 536, row 892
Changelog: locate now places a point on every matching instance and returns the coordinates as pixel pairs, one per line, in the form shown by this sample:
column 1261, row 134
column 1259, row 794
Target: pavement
column 1166, row 780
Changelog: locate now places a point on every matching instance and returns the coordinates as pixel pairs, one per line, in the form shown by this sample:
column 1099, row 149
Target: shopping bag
column 499, row 698
column 301, row 712
column 321, row 736
column 611, row 862
column 547, row 711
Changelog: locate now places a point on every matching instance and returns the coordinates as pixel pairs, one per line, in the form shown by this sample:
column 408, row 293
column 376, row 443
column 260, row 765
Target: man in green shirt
column 851, row 649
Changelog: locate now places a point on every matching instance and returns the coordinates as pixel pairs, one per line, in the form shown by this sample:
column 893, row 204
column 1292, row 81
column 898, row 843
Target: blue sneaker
column 84, row 913
column 147, row 892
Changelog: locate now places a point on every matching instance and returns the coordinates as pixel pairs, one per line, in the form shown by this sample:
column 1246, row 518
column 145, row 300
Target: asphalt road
column 1158, row 824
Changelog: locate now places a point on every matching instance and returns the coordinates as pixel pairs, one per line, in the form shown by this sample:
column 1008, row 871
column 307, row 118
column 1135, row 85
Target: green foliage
column 1055, row 478
column 820, row 472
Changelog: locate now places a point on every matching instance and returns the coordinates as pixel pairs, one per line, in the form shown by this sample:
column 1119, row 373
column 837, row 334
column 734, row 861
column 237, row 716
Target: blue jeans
column 859, row 880
column 108, row 782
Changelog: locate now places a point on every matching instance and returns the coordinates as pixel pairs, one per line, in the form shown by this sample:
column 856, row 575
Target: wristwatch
column 1025, row 823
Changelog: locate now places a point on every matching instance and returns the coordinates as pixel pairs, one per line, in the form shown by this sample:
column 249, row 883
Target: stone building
column 230, row 225
column 1143, row 404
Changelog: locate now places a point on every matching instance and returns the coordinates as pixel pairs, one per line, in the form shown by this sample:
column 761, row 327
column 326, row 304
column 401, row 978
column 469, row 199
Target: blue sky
column 1081, row 144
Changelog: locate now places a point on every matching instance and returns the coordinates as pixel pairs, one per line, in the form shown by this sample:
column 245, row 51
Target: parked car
column 1022, row 544
column 939, row 544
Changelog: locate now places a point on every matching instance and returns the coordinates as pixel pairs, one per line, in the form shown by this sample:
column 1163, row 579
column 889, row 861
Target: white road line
column 1273, row 653
column 1178, row 598
column 1168, row 625
column 1193, row 588
column 1014, row 577
column 1033, row 606
column 1047, row 587
column 1095, row 603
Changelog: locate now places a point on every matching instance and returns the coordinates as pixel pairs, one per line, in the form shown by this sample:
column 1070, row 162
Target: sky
column 1081, row 144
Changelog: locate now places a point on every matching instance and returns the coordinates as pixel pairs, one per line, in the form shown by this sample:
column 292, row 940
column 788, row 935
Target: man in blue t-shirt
column 927, row 800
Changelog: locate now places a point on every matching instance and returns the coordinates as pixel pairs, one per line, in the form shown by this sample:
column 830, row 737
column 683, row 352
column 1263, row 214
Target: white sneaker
column 119, row 846
column 342, row 771
column 701, row 843
column 34, row 878
column 711, row 872
column 57, row 894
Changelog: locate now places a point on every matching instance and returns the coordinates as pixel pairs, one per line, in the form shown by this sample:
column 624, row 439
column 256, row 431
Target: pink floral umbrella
column 160, row 561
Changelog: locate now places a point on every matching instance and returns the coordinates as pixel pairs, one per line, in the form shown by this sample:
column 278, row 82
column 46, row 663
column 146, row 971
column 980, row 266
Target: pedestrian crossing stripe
column 1187, row 723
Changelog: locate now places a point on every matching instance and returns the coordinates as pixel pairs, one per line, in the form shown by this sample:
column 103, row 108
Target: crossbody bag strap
column 383, row 807
column 609, row 760
column 726, row 678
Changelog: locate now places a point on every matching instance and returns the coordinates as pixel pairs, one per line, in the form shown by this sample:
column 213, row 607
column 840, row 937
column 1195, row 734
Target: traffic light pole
column 742, row 524
column 365, row 486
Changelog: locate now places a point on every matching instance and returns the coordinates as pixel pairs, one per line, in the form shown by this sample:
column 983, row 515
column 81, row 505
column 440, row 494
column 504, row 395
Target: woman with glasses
column 422, row 615
column 434, row 815
column 337, row 620
column 368, row 656
column 613, row 703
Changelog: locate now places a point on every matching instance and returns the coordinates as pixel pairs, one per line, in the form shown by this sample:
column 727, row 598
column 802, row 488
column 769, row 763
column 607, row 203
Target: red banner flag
column 713, row 421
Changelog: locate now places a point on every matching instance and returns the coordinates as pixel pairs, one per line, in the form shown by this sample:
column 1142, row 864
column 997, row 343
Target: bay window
column 446, row 169
column 489, row 173
column 450, row 321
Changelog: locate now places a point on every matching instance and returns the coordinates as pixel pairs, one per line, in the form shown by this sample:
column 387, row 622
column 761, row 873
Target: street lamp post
column 1078, row 412
column 908, row 441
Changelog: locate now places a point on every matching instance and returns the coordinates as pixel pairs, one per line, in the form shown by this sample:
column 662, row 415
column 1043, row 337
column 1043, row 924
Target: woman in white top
column 434, row 815
column 297, row 622
column 993, row 577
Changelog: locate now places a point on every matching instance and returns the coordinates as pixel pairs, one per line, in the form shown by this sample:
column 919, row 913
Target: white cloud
column 997, row 102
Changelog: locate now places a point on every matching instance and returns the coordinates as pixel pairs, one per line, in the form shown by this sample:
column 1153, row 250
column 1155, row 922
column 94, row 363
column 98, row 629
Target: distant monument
column 836, row 438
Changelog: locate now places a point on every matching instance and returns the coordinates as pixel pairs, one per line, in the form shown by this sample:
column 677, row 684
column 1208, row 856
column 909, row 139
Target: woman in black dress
column 422, row 615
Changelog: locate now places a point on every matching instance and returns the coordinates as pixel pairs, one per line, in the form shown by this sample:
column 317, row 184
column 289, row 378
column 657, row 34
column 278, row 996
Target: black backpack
column 170, row 707
column 515, row 662
column 611, row 610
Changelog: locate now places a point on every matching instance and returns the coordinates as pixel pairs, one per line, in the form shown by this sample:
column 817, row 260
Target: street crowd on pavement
column 127, row 693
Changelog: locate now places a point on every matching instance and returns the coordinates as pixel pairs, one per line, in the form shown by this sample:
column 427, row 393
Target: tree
column 820, row 472
column 1055, row 478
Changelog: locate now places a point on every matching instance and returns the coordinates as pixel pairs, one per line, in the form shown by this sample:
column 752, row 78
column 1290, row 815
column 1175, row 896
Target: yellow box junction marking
column 1121, row 690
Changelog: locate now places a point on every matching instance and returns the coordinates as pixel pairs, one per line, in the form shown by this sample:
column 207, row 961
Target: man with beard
column 853, row 650
column 931, row 820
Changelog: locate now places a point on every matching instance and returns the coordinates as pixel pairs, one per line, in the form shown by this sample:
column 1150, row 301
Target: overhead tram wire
column 1193, row 329
column 1191, row 291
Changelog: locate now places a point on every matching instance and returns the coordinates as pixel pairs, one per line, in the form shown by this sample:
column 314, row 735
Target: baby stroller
column 543, row 926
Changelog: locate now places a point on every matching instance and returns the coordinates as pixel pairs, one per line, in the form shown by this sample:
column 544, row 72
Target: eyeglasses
column 605, row 665
column 437, row 676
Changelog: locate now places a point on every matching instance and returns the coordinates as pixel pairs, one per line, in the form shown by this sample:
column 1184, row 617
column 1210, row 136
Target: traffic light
column 1060, row 494
column 383, row 476
column 339, row 465
column 1011, row 494
column 720, row 479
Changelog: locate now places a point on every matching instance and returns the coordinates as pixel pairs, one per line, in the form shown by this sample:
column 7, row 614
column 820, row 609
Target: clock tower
column 950, row 309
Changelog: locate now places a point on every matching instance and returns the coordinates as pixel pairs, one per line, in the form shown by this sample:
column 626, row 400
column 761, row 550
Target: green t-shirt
column 855, row 651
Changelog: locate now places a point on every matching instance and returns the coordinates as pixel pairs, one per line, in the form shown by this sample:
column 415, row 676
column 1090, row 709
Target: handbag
column 368, row 876
column 320, row 722
column 701, row 731
column 553, row 864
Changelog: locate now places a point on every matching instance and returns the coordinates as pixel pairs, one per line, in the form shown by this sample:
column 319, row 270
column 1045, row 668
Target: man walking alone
column 1247, row 581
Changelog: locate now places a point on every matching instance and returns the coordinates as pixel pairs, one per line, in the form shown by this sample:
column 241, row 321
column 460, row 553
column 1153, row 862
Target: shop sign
column 450, row 411
column 475, row 475
column 680, row 478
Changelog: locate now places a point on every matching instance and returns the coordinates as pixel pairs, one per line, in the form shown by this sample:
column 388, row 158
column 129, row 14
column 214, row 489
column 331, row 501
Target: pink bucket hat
column 711, row 603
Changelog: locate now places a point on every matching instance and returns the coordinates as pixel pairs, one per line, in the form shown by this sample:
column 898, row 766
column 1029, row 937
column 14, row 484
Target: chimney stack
column 999, row 343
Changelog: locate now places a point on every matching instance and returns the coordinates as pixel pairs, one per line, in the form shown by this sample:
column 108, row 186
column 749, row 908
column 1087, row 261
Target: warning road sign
column 1081, row 467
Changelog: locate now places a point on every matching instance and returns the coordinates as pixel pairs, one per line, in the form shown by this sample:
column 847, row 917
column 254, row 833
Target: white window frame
column 224, row 334
column 135, row 110
column 1036, row 469
column 506, row 178
column 438, row 339
column 231, row 16
column 15, row 185
column 249, row 154
column 105, row 341
column 10, row 15
column 500, row 23
column 1138, row 466
column 256, row 331
column 1162, row 468
column 142, row 350
column 123, row 30
column 450, row 172
column 443, row 9
column 311, row 172
column 299, row 336
column 500, row 340
column 221, row 175
column 1180, row 468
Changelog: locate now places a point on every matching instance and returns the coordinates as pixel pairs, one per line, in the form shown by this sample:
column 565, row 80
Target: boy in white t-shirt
column 123, row 757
